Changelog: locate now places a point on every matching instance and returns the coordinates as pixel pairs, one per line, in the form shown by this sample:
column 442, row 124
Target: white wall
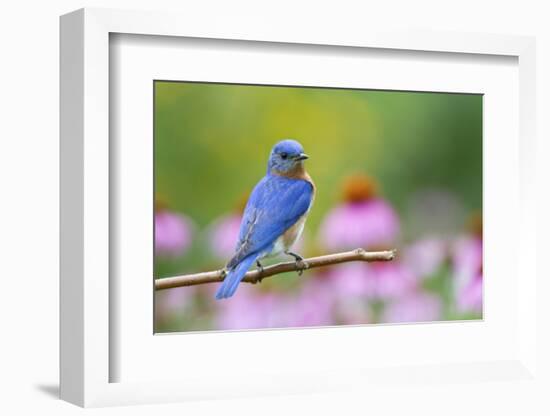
column 29, row 206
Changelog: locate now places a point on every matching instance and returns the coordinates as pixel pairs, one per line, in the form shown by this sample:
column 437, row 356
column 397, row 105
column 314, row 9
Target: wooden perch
column 254, row 276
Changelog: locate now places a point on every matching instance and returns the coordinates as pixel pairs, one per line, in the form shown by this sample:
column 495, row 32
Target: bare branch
column 254, row 276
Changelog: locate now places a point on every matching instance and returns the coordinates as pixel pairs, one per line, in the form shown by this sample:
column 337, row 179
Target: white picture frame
column 86, row 166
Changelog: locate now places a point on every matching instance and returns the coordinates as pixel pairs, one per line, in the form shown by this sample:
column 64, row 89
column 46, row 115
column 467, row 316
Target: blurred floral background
column 393, row 170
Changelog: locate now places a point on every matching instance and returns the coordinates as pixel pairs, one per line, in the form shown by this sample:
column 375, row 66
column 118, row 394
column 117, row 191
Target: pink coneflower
column 375, row 281
column 467, row 274
column 467, row 260
column 243, row 312
column 252, row 309
column 424, row 257
column 353, row 311
column 350, row 280
column 173, row 301
column 313, row 306
column 364, row 219
column 392, row 280
column 417, row 307
column 173, row 232
column 470, row 297
column 223, row 235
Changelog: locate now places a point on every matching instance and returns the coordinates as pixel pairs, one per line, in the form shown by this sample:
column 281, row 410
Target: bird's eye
column 284, row 155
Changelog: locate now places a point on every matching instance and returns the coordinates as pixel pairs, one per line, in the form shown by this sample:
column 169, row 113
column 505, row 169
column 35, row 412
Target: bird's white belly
column 288, row 238
column 278, row 248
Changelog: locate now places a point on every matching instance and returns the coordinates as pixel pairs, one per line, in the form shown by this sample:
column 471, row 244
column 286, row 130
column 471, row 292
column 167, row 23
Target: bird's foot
column 260, row 271
column 300, row 265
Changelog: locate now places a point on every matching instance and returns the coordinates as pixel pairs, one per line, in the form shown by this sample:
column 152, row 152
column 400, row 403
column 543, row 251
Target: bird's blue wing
column 275, row 204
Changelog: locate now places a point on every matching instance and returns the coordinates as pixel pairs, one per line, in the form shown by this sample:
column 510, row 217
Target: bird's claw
column 299, row 264
column 300, row 267
column 260, row 272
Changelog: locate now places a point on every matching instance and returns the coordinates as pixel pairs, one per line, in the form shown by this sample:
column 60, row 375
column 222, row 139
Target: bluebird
column 275, row 214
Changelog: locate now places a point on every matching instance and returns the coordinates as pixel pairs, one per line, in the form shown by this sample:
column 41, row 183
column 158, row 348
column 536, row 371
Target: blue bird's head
column 286, row 157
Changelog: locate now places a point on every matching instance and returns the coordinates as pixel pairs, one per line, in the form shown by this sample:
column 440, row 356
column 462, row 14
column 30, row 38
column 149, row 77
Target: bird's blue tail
column 234, row 277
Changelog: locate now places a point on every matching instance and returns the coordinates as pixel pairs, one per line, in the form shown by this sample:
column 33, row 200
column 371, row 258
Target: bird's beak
column 302, row 156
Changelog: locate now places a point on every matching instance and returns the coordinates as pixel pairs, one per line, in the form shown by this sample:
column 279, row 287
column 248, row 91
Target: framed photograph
column 274, row 212
column 208, row 137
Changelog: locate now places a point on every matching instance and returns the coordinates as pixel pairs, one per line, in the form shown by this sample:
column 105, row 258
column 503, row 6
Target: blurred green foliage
column 212, row 142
